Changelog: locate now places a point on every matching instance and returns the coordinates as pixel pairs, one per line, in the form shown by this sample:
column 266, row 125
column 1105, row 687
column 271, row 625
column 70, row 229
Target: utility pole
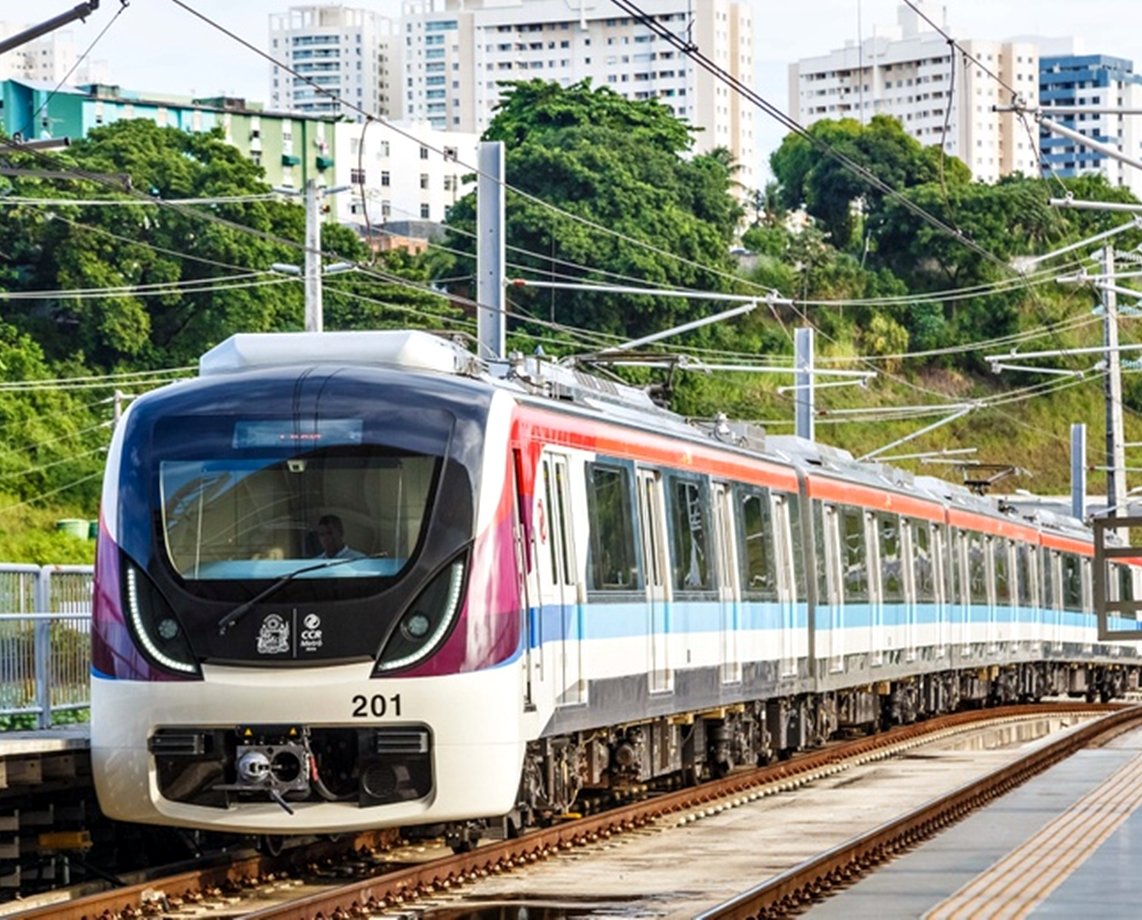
column 1115, row 432
column 803, row 399
column 313, row 307
column 491, row 297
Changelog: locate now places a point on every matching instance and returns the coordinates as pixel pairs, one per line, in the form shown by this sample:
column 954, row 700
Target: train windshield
column 272, row 498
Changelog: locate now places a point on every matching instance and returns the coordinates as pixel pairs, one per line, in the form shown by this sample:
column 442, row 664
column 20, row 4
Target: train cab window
column 1000, row 548
column 923, row 563
column 269, row 502
column 891, row 572
column 689, row 535
column 1072, row 582
column 757, row 545
column 855, row 555
column 611, row 559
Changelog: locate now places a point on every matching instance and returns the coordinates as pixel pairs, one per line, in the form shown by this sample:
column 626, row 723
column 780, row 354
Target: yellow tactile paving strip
column 1024, row 878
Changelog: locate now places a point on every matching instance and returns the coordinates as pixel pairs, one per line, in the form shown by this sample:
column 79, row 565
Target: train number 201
column 377, row 706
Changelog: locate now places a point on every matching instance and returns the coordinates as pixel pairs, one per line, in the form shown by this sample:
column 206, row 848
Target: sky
column 156, row 45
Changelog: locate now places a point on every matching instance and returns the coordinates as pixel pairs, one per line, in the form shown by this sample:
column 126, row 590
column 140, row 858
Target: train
column 545, row 587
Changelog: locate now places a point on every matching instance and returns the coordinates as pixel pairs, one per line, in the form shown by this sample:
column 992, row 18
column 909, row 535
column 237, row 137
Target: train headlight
column 153, row 625
column 426, row 621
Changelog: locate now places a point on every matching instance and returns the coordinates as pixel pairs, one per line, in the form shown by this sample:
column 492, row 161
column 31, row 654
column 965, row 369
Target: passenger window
column 1049, row 561
column 1072, row 582
column 757, row 542
column 689, row 536
column 794, row 502
column 611, row 564
column 977, row 568
column 1002, row 566
column 856, row 575
column 922, row 563
column 892, row 581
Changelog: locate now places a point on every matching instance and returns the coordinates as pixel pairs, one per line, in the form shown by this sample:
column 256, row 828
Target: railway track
column 311, row 887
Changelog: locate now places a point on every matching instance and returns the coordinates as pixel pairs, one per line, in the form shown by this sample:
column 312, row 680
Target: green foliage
column 615, row 164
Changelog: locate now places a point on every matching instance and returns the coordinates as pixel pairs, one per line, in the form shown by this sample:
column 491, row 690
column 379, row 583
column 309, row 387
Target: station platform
column 1065, row 844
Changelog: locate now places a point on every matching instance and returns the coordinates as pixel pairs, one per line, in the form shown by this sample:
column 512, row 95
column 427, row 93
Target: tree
column 611, row 163
column 827, row 186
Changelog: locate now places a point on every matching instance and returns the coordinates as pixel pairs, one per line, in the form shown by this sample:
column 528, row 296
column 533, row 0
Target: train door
column 727, row 583
column 1052, row 599
column 908, row 573
column 938, row 560
column 830, row 558
column 878, row 636
column 528, row 556
column 786, row 583
column 563, row 595
column 652, row 528
column 961, row 593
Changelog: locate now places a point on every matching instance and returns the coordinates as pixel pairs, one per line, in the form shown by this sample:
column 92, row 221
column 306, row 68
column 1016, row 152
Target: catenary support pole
column 490, row 258
column 803, row 400
column 1115, row 435
column 1078, row 471
column 313, row 307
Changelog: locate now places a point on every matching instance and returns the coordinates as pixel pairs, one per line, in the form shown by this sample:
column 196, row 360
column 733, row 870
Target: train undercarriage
column 582, row 771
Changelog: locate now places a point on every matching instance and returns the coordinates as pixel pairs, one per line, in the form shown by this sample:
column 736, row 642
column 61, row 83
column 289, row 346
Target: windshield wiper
column 246, row 606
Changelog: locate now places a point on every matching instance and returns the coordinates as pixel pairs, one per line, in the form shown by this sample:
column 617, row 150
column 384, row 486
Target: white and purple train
column 547, row 586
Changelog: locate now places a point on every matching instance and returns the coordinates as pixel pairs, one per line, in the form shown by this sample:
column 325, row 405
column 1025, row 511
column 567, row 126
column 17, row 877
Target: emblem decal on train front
column 273, row 636
column 311, row 638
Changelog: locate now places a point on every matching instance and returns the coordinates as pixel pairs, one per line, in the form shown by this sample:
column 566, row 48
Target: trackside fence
column 45, row 644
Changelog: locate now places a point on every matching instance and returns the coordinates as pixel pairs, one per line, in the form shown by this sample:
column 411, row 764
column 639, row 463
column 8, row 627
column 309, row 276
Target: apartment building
column 939, row 97
column 400, row 172
column 52, row 58
column 291, row 148
column 1097, row 82
column 336, row 52
column 442, row 62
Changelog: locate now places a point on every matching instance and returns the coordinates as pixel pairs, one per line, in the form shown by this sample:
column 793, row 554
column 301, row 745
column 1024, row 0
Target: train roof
column 542, row 380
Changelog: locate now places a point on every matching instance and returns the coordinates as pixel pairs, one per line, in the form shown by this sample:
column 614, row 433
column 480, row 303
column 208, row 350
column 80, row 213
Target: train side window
column 1072, row 582
column 611, row 558
column 856, row 556
column 794, row 502
column 1001, row 552
column 891, row 573
column 923, row 562
column 1024, row 577
column 820, row 514
column 977, row 568
column 689, row 535
column 1048, row 572
column 956, row 572
column 757, row 545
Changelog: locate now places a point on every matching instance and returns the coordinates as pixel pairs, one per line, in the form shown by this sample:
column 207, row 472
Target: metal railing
column 45, row 643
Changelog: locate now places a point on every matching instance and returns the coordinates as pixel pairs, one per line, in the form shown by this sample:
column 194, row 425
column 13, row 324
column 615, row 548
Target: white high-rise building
column 453, row 55
column 52, row 58
column 441, row 61
column 336, row 48
column 937, row 96
column 408, row 171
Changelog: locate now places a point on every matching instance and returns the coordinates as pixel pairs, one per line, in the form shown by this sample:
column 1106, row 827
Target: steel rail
column 410, row 884
column 794, row 890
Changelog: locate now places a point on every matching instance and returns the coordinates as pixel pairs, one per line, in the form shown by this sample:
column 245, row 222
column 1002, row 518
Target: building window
column 424, row 180
column 357, row 176
column 385, row 178
column 424, row 153
column 424, row 212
